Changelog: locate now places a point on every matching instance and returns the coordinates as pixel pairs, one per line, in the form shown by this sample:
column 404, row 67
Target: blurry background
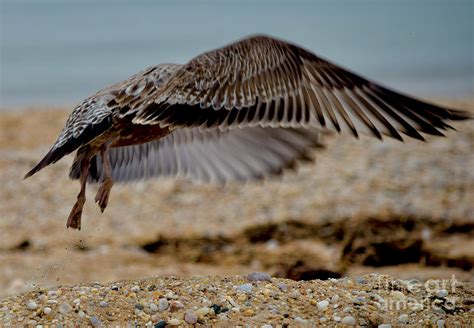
column 59, row 51
column 365, row 206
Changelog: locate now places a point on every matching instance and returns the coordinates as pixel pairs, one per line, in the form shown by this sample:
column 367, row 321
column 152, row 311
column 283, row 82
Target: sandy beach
column 366, row 211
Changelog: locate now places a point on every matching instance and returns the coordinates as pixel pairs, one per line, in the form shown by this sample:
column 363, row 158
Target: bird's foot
column 74, row 219
column 102, row 197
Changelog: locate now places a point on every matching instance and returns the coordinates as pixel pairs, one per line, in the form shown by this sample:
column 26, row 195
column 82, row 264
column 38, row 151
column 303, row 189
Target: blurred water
column 58, row 52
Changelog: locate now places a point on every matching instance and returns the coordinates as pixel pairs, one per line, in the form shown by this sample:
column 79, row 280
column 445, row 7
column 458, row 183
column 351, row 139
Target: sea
column 57, row 52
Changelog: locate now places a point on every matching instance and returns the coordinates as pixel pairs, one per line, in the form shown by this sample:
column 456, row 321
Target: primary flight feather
column 241, row 112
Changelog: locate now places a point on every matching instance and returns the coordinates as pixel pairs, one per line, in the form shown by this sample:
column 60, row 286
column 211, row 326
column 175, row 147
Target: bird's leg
column 74, row 220
column 103, row 193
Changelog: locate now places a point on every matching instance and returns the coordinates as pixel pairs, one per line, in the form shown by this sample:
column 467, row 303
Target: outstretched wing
column 262, row 81
column 240, row 154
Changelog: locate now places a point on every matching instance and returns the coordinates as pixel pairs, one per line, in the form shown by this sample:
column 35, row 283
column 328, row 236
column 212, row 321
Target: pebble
column 216, row 308
column 175, row 306
column 103, row 304
column 174, row 322
column 161, row 324
column 135, row 289
column 266, row 326
column 190, row 318
column 202, row 312
column 162, row 304
column 139, row 306
column 153, row 308
column 95, row 321
column 246, row 288
column 259, row 276
column 440, row 323
column 283, row 287
column 385, row 325
column 32, row 305
column 301, row 320
column 397, row 295
column 416, row 307
column 65, row 308
column 349, row 320
column 336, row 318
column 361, row 280
column 47, row 310
column 404, row 318
column 81, row 314
column 441, row 293
column 323, row 305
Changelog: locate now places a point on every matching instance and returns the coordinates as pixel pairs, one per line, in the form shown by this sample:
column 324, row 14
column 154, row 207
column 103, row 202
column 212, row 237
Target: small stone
column 174, row 322
column 47, row 310
column 361, row 280
column 52, row 293
column 242, row 298
column 103, row 304
column 301, row 320
column 323, row 305
column 64, row 308
column 440, row 323
column 259, row 276
column 249, row 313
column 217, row 308
column 161, row 324
column 397, row 295
column 95, row 321
column 246, row 288
column 202, row 312
column 441, row 293
column 404, row 319
column 349, row 320
column 175, row 306
column 359, row 300
column 81, row 314
column 266, row 326
column 190, row 318
column 153, row 308
column 336, row 318
column 135, row 289
column 114, row 287
column 31, row 305
column 162, row 304
column 385, row 325
column 139, row 306
column 283, row 287
column 416, row 307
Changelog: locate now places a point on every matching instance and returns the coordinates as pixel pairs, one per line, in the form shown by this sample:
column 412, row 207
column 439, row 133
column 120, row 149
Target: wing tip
column 51, row 157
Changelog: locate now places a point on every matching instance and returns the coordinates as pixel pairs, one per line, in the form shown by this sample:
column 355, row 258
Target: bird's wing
column 94, row 115
column 217, row 156
column 268, row 82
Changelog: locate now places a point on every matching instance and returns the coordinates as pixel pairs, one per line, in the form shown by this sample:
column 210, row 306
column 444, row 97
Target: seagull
column 245, row 111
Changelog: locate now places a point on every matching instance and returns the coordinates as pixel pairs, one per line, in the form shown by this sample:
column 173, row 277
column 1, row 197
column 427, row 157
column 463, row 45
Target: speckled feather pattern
column 114, row 100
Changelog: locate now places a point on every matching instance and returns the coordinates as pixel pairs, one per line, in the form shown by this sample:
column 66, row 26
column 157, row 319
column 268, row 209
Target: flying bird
column 244, row 111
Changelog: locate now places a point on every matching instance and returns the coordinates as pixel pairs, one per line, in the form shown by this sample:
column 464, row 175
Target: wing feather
column 238, row 154
column 276, row 83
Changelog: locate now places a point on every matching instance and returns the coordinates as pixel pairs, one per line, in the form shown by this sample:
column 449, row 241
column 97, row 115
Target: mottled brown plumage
column 244, row 111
